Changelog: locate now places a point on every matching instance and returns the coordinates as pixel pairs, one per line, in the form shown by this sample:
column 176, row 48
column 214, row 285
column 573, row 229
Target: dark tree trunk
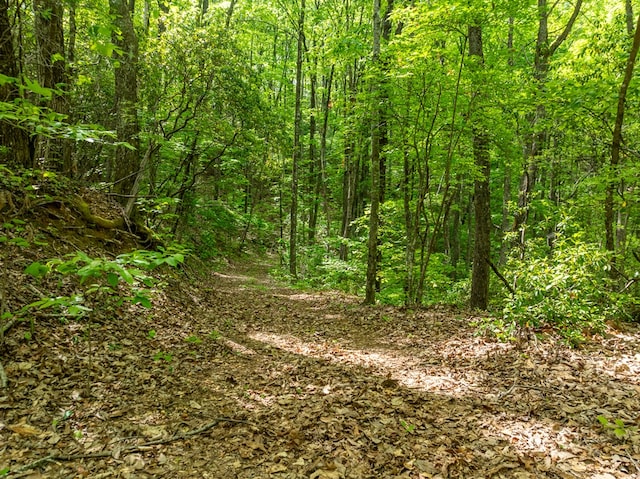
column 314, row 168
column 536, row 142
column 297, row 148
column 52, row 73
column 481, row 202
column 374, row 220
column 14, row 140
column 613, row 176
column 127, row 160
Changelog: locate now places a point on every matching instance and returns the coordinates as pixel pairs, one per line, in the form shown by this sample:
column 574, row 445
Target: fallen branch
column 128, row 449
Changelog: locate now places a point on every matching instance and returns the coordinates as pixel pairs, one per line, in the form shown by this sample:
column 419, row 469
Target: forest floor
column 232, row 375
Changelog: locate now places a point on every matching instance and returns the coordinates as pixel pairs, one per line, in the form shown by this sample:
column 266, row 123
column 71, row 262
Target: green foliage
column 410, row 428
column 101, row 280
column 563, row 290
column 14, row 227
column 163, row 356
column 617, row 427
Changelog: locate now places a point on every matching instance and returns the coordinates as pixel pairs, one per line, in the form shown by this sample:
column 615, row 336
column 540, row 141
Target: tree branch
column 565, row 33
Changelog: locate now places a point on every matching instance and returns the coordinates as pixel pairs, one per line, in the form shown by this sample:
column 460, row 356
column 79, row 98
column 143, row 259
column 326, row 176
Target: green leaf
column 35, row 87
column 171, row 261
column 141, row 299
column 113, row 279
column 36, row 269
column 78, row 310
column 4, row 79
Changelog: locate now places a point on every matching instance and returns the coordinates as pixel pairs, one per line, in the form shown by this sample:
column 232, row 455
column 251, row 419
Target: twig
column 502, row 278
column 635, row 463
column 128, row 449
column 3, row 378
column 510, row 390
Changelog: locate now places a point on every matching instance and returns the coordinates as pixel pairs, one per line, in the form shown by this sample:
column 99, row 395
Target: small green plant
column 215, row 335
column 162, row 356
column 616, row 427
column 193, row 340
column 410, row 428
column 151, row 334
column 16, row 227
column 101, row 279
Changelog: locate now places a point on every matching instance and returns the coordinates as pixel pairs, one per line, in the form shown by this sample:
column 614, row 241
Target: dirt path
column 237, row 377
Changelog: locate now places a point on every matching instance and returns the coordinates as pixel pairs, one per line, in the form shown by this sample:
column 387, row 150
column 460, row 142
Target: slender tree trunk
column 613, row 176
column 323, row 149
column 14, row 139
column 410, row 247
column 454, row 253
column 52, row 73
column 350, row 173
column 314, row 167
column 628, row 6
column 297, row 148
column 536, row 142
column 374, row 220
column 227, row 21
column 481, row 202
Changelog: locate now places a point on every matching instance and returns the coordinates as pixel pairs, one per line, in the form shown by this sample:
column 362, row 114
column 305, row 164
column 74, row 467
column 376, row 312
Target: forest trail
column 237, row 376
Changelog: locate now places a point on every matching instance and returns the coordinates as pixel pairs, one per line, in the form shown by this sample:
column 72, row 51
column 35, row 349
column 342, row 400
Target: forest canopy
column 473, row 153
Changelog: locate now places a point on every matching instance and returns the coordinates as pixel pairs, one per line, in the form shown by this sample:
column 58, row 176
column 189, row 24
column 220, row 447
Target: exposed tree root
column 83, row 208
column 128, row 449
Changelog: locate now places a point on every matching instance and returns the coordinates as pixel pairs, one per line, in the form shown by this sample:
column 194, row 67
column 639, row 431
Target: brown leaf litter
column 243, row 378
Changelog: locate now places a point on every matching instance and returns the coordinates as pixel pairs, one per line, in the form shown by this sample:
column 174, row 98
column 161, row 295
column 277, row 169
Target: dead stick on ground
column 128, row 449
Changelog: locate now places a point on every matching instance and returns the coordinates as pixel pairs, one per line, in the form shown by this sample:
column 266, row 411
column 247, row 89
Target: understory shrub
column 566, row 290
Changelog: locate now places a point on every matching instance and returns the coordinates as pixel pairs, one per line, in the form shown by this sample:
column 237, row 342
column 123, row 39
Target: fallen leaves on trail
column 320, row 386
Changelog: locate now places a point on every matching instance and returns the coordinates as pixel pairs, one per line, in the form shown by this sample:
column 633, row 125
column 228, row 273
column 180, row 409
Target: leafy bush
column 565, row 290
column 99, row 279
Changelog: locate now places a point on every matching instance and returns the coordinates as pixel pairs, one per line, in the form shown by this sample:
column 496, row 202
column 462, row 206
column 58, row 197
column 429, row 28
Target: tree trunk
column 536, row 142
column 127, row 160
column 314, row 167
column 52, row 73
column 326, row 104
column 628, row 7
column 374, row 220
column 14, row 141
column 613, row 176
column 481, row 202
column 297, row 148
